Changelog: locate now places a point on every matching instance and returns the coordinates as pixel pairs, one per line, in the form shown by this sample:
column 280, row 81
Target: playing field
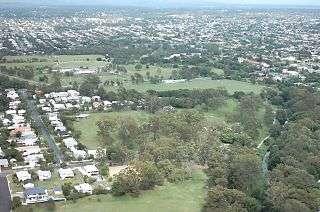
column 182, row 197
column 231, row 86
column 89, row 129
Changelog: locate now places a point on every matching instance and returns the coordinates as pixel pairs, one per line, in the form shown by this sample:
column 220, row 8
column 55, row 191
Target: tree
column 224, row 199
column 16, row 203
column 149, row 175
column 138, row 67
column 126, row 182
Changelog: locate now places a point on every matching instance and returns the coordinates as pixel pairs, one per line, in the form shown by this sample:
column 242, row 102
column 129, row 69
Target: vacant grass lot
column 89, row 129
column 187, row 196
column 231, row 86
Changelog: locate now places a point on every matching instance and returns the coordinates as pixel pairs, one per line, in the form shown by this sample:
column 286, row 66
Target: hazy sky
column 165, row 2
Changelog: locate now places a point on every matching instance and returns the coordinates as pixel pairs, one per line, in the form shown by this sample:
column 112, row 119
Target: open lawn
column 231, row 86
column 89, row 129
column 222, row 113
column 187, row 196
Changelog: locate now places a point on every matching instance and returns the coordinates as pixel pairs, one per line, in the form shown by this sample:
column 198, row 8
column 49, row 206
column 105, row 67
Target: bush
column 16, row 203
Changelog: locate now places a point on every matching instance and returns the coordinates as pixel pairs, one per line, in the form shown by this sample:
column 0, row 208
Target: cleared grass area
column 222, row 113
column 187, row 196
column 89, row 129
column 231, row 86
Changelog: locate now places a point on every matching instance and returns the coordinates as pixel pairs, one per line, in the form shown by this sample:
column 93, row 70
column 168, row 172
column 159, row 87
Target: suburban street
column 31, row 107
column 5, row 199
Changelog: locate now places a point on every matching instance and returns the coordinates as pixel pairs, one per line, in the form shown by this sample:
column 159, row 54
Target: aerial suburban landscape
column 138, row 106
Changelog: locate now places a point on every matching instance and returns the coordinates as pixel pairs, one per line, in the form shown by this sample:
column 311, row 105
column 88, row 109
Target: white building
column 65, row 173
column 44, row 175
column 91, row 170
column 23, row 175
column 36, row 195
column 84, row 188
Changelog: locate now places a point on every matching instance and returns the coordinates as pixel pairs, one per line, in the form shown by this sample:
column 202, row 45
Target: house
column 23, row 175
column 57, row 191
column 91, row 170
column 84, row 188
column 70, row 142
column 96, row 98
column 12, row 95
column 28, row 138
column 34, row 159
column 63, row 134
column 28, row 185
column 28, row 150
column 78, row 154
column 4, row 163
column 36, row 195
column 65, row 173
column 11, row 112
column 44, row 175
column 107, row 104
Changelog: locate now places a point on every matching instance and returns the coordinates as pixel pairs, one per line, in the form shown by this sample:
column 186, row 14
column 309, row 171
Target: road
column 31, row 107
column 5, row 198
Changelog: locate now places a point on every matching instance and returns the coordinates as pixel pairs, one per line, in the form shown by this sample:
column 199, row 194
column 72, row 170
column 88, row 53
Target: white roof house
column 36, row 195
column 65, row 173
column 91, row 170
column 33, row 159
column 73, row 93
column 57, row 107
column 4, row 162
column 23, row 175
column 70, row 142
column 44, row 175
column 28, row 185
column 12, row 95
column 86, row 99
column 11, row 112
column 84, row 188
column 107, row 103
column 79, row 154
column 28, row 150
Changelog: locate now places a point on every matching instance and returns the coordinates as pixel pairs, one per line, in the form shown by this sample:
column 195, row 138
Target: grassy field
column 182, row 197
column 89, row 129
column 222, row 113
column 61, row 61
column 231, row 85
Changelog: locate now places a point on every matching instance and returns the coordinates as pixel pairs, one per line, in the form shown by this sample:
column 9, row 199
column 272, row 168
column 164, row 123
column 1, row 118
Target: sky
column 162, row 2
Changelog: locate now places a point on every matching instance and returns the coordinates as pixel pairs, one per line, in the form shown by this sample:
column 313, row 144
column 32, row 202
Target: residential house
column 91, row 170
column 44, row 175
column 36, row 195
column 65, row 173
column 84, row 188
column 4, row 163
column 23, row 175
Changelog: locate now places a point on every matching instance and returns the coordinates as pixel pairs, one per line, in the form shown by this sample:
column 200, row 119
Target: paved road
column 31, row 107
column 5, row 198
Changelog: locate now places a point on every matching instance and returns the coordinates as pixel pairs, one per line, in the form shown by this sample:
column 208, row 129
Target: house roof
column 4, row 162
column 34, row 191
